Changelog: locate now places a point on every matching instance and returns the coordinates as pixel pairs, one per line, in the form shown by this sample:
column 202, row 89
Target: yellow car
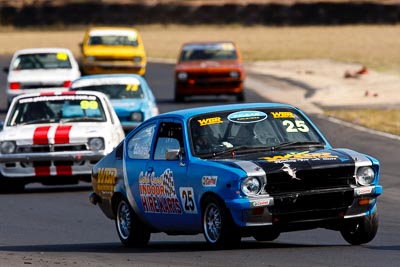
column 113, row 50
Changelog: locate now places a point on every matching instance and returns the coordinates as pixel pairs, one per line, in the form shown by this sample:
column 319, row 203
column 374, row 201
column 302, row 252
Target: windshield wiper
column 79, row 119
column 232, row 151
column 43, row 120
column 298, row 144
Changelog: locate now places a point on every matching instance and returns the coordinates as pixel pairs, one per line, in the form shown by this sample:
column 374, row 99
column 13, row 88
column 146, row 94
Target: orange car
column 209, row 68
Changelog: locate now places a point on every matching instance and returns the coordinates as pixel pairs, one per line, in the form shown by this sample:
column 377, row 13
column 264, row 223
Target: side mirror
column 1, row 125
column 6, row 69
column 175, row 154
column 172, row 154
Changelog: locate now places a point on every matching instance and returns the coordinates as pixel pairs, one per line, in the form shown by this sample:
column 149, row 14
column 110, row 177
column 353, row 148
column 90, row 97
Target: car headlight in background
column 90, row 59
column 96, row 144
column 7, row 147
column 137, row 59
column 137, row 116
column 182, row 76
column 251, row 186
column 234, row 74
column 365, row 175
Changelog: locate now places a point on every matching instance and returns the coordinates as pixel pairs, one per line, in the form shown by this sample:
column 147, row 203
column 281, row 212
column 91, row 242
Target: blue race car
column 233, row 171
column 130, row 96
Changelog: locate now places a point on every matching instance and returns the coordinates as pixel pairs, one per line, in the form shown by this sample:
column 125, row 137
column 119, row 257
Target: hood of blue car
column 129, row 104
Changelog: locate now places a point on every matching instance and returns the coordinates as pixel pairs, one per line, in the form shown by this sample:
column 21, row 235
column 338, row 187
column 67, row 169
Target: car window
column 169, row 136
column 59, row 108
column 218, row 51
column 113, row 40
column 115, row 91
column 139, row 145
column 42, row 61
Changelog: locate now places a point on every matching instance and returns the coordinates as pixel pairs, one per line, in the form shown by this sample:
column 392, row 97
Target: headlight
column 90, row 58
column 234, row 74
column 96, row 144
column 182, row 76
column 251, row 186
column 137, row 59
column 136, row 116
column 7, row 147
column 365, row 175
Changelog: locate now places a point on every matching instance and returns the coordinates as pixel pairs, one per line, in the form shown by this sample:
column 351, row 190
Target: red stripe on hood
column 62, row 134
column 40, row 135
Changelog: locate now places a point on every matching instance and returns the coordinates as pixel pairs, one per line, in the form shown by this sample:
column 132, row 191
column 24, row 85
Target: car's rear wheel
column 131, row 230
column 360, row 230
column 218, row 227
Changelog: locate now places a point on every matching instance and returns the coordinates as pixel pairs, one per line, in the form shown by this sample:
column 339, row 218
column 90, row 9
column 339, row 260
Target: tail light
column 15, row 86
column 67, row 84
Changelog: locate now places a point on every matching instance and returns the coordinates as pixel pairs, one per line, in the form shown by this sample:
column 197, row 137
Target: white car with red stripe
column 41, row 69
column 56, row 137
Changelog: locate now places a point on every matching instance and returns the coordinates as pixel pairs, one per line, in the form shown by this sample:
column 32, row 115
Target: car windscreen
column 57, row 109
column 217, row 51
column 251, row 130
column 58, row 60
column 114, row 91
column 113, row 40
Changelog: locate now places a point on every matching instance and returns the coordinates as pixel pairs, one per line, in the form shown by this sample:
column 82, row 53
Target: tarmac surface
column 313, row 85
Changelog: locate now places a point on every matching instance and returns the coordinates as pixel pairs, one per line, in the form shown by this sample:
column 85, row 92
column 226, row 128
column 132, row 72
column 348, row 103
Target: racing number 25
column 296, row 126
column 189, row 205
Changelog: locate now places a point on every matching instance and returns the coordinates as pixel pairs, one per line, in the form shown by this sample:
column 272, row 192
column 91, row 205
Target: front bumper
column 49, row 164
column 100, row 67
column 304, row 207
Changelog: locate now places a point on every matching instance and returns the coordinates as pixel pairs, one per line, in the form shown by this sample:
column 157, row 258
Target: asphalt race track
column 57, row 226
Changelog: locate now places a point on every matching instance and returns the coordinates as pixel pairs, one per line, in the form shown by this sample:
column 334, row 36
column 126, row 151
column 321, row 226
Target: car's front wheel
column 131, row 230
column 360, row 230
column 218, row 227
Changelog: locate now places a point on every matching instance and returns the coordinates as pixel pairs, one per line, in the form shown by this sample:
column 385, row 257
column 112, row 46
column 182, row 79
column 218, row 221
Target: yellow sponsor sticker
column 85, row 104
column 209, row 121
column 132, row 87
column 282, row 115
column 62, row 56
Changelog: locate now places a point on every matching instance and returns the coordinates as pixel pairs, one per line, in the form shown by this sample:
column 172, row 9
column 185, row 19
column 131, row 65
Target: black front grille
column 51, row 148
column 310, row 179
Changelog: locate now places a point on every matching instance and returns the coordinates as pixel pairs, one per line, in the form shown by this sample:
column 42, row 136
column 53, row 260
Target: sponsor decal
column 57, row 97
column 106, row 180
column 364, row 191
column 62, row 56
column 302, row 156
column 247, row 116
column 209, row 181
column 187, row 196
column 260, row 203
column 282, row 115
column 158, row 194
column 209, row 121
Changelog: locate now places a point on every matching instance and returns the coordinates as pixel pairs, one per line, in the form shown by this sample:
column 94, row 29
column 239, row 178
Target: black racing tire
column 131, row 230
column 360, row 230
column 266, row 236
column 218, row 227
column 11, row 186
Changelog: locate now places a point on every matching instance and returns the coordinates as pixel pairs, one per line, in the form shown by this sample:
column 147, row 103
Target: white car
column 40, row 69
column 56, row 138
